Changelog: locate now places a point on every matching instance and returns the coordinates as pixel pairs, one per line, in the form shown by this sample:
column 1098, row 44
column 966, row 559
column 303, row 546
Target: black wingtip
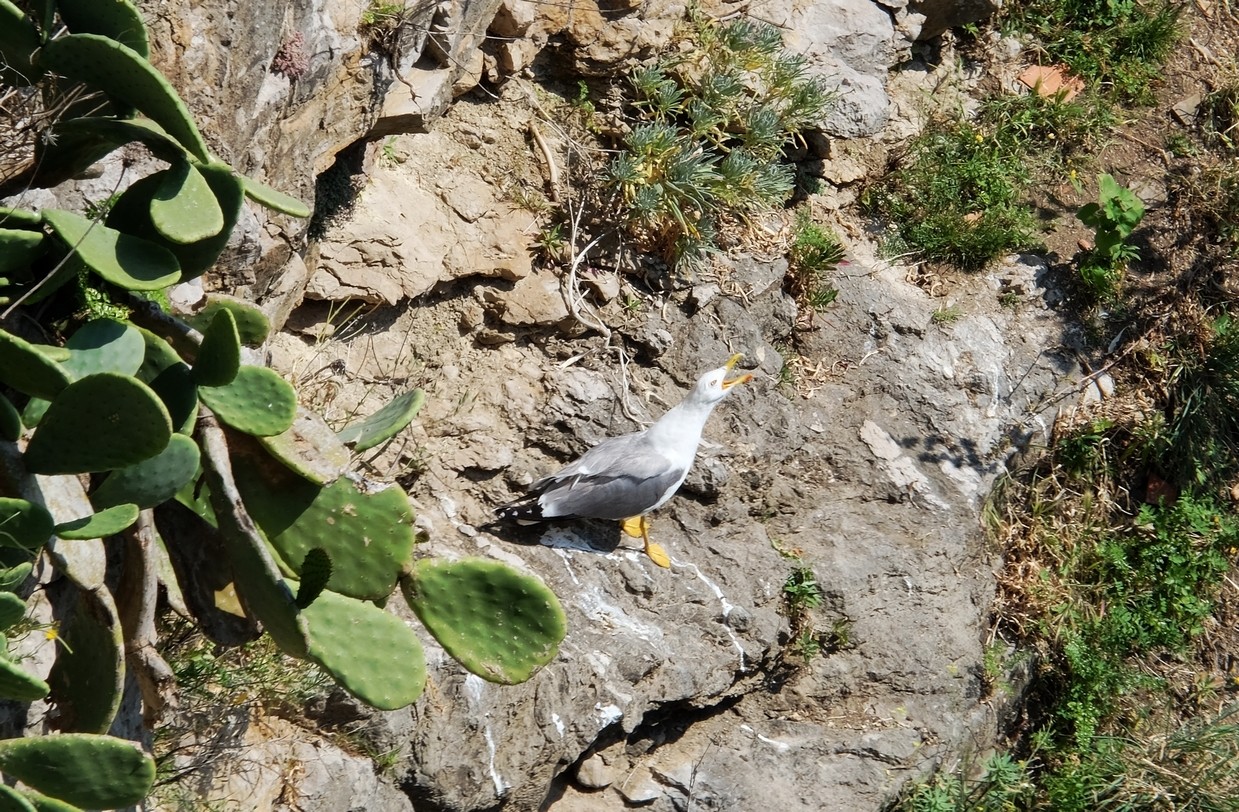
column 525, row 512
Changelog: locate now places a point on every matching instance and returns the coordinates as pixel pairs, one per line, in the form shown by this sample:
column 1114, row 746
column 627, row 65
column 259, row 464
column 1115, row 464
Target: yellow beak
column 745, row 378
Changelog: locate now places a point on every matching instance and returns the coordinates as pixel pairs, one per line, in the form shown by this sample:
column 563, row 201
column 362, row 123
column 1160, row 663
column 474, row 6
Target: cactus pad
column 184, row 208
column 310, row 449
column 258, row 402
column 101, row 524
column 19, row 248
column 93, row 772
column 132, row 214
column 99, row 423
column 272, row 199
column 10, row 420
column 118, row 19
column 28, row 370
column 153, row 481
column 219, row 357
column 500, row 624
column 88, row 676
column 386, row 423
column 374, row 655
column 124, row 74
column 23, row 524
column 42, row 803
column 13, row 801
column 19, row 218
column 18, row 40
column 18, row 684
column 121, row 131
column 104, row 345
column 12, row 609
column 368, row 536
column 122, row 259
column 170, row 378
column 252, row 324
column 12, row 578
column 315, row 573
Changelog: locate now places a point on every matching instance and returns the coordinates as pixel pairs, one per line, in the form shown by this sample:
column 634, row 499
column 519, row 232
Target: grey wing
column 618, row 478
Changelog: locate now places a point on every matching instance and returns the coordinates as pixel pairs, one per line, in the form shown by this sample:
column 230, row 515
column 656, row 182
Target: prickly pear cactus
column 500, row 624
column 98, row 423
column 136, row 411
column 257, row 401
column 85, row 770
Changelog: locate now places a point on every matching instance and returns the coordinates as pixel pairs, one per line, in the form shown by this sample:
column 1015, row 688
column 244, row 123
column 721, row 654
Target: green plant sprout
column 1113, row 219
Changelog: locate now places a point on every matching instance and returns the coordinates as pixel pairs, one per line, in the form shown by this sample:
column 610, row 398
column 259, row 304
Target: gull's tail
column 522, row 511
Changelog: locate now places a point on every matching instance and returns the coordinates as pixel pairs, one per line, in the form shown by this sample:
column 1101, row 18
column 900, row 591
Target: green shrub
column 716, row 118
column 957, row 198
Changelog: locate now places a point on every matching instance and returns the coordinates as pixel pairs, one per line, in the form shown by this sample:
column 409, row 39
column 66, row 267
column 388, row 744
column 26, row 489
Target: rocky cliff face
column 866, row 461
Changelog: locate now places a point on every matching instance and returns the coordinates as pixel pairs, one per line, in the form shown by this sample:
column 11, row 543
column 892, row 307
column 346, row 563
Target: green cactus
column 28, row 370
column 83, row 769
column 42, row 803
column 309, row 449
column 12, row 609
column 252, row 324
column 124, row 74
column 374, row 655
column 100, row 524
column 499, row 623
column 18, row 40
column 152, row 481
column 24, row 524
column 272, row 199
column 132, row 213
column 19, row 248
column 368, row 536
column 12, row 578
column 315, row 573
column 88, row 677
column 184, row 208
column 118, row 19
column 99, row 423
column 19, row 218
column 219, row 356
column 386, row 423
column 257, row 401
column 122, row 259
column 170, row 378
column 117, row 132
column 15, row 683
column 10, row 420
column 104, row 345
column 13, row 801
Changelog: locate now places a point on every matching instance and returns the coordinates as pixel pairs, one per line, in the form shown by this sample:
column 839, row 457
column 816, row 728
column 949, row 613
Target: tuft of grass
column 957, row 198
column 815, row 253
column 1201, row 440
column 948, row 314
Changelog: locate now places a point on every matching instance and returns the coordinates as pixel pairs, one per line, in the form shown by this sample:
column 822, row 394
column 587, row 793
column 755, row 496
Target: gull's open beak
column 745, row 378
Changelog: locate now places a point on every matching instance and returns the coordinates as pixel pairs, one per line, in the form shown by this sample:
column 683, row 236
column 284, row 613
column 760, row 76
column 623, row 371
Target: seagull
column 623, row 478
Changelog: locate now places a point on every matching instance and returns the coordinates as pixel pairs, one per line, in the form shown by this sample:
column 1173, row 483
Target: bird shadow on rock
column 584, row 535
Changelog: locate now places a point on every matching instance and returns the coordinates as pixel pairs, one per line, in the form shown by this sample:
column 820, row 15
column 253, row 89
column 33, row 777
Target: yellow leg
column 638, row 527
